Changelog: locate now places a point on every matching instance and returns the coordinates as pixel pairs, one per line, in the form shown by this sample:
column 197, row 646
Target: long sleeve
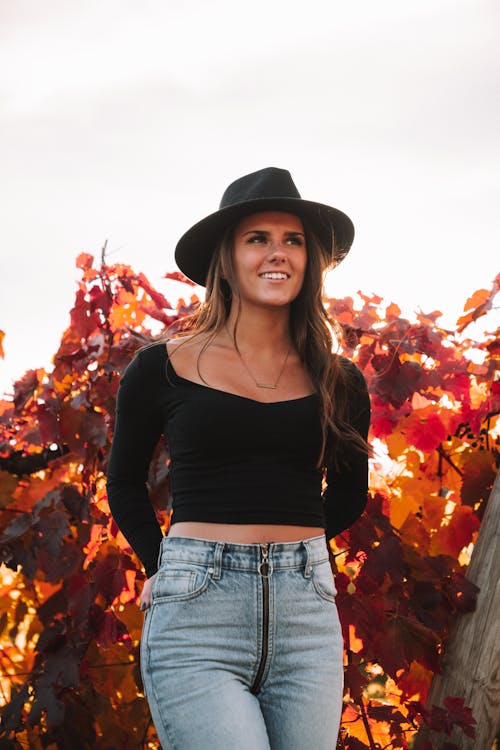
column 138, row 427
column 347, row 486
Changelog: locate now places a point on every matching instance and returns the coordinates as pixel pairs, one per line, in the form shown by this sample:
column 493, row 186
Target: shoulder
column 354, row 377
column 147, row 368
column 186, row 342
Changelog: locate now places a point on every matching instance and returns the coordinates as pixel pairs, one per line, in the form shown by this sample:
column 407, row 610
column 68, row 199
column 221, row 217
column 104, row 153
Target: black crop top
column 233, row 459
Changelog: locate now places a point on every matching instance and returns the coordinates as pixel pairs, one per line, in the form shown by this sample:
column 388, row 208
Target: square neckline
column 229, row 393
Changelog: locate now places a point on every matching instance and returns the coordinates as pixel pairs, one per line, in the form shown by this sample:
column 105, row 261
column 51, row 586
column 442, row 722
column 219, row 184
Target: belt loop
column 160, row 553
column 308, row 566
column 219, row 549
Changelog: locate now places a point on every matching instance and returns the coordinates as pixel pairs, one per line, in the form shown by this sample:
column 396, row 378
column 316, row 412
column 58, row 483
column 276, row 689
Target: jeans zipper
column 264, row 571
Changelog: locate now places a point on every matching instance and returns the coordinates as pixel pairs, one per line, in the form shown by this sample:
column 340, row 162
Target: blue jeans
column 242, row 647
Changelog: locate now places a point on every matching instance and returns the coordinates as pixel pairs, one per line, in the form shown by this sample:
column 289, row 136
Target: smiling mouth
column 275, row 275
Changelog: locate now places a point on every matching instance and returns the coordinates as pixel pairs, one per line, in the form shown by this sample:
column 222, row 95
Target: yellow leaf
column 401, row 507
column 396, row 444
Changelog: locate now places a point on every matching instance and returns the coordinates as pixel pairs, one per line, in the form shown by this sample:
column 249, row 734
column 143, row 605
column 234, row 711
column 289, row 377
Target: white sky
column 126, row 121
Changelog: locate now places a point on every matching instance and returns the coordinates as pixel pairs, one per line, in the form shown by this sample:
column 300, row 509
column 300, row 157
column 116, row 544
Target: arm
column 138, row 427
column 347, row 486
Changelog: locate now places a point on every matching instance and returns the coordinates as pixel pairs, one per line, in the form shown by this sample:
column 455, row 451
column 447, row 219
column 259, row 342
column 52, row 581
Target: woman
column 242, row 646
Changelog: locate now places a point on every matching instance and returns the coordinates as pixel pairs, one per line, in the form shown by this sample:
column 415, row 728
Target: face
column 269, row 258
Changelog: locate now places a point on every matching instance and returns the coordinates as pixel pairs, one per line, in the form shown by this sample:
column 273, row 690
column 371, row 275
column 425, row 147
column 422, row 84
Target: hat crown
column 270, row 182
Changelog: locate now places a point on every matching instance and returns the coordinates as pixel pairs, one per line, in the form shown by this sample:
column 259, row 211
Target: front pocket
column 176, row 584
column 323, row 581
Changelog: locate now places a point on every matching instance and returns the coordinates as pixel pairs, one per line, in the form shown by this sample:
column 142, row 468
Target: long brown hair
column 313, row 332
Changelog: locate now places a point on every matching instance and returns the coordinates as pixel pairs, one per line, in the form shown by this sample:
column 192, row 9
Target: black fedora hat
column 269, row 189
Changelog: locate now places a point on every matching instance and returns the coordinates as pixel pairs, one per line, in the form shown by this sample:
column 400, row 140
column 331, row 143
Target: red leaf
column 56, row 568
column 48, row 424
column 479, row 474
column 80, row 427
column 461, row 715
column 461, row 593
column 52, row 527
column 127, row 284
column 12, row 713
column 178, row 276
column 83, row 321
column 62, row 667
column 395, row 381
column 46, row 701
column 354, row 681
column 80, row 596
column 75, row 503
column 109, row 575
column 455, row 713
column 383, row 422
column 364, row 611
column 157, row 297
column 100, row 300
column 425, row 430
column 415, row 682
column 25, row 387
column 94, row 428
column 107, row 628
column 458, row 383
column 403, row 640
column 430, row 605
column 457, row 534
column 386, row 559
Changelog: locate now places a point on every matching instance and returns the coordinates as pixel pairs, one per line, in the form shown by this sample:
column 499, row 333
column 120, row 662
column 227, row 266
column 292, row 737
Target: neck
column 261, row 330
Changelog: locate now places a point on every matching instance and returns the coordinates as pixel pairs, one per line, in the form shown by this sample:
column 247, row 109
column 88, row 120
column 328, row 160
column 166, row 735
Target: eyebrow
column 265, row 231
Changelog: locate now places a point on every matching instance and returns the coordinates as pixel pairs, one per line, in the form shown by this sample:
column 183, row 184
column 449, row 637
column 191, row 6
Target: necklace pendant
column 266, row 385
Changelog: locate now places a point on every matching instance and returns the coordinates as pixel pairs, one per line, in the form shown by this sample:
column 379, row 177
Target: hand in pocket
column 146, row 593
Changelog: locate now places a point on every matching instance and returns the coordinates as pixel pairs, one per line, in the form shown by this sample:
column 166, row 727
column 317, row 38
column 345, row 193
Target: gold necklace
column 270, row 386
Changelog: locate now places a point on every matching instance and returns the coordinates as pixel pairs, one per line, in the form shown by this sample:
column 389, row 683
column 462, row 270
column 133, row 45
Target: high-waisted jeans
column 242, row 647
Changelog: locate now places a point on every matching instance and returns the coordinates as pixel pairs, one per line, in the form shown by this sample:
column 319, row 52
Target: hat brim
column 195, row 248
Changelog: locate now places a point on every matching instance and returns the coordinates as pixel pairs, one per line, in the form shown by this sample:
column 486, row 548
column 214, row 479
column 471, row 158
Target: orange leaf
column 396, row 444
column 84, row 261
column 434, row 509
column 392, row 312
column 451, row 538
column 477, row 299
column 402, row 507
column 477, row 305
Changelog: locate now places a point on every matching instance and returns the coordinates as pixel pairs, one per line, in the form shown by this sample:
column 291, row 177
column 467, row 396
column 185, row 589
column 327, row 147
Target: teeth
column 274, row 275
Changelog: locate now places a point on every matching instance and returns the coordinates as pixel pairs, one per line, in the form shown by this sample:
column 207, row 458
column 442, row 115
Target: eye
column 256, row 238
column 295, row 240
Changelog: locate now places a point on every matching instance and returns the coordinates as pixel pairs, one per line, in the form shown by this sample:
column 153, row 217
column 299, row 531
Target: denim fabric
column 218, row 620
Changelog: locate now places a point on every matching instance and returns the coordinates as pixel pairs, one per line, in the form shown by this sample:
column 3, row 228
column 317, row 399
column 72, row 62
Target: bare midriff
column 247, row 533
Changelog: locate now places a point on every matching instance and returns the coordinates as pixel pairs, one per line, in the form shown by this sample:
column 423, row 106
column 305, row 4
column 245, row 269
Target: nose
column 277, row 251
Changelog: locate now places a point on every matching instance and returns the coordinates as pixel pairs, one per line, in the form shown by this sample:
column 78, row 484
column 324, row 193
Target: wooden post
column 471, row 662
